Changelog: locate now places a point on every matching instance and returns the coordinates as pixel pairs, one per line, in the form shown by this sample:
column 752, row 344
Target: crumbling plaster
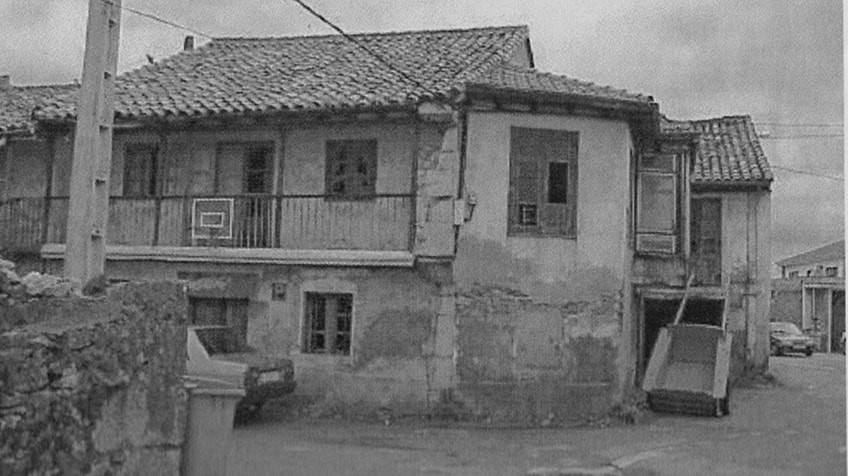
column 544, row 316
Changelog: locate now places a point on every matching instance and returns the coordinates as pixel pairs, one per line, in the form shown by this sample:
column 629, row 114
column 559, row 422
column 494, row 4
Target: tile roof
column 513, row 78
column 728, row 150
column 18, row 102
column 262, row 75
column 830, row 252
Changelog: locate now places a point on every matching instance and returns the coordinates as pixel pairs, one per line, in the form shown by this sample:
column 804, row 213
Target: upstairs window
column 140, row 170
column 831, row 271
column 351, row 169
column 244, row 168
column 542, row 182
column 258, row 172
column 328, row 321
column 657, row 204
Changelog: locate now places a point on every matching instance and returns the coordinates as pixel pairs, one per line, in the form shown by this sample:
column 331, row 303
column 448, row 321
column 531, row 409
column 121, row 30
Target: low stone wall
column 92, row 385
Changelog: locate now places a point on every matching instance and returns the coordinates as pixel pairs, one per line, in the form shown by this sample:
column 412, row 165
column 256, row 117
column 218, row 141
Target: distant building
column 827, row 260
column 811, row 293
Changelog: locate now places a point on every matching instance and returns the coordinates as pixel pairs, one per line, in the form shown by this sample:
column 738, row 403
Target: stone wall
column 92, row 385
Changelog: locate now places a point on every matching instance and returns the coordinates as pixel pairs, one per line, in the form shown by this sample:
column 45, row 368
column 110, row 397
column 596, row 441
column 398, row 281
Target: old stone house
column 458, row 224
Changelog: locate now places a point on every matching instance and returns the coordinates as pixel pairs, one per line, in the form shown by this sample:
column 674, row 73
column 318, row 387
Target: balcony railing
column 381, row 222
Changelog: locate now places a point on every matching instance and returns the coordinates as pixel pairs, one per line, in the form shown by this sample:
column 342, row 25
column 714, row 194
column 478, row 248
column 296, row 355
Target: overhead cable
column 807, row 172
column 364, row 48
column 160, row 20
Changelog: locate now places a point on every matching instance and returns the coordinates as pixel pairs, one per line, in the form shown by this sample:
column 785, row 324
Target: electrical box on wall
column 278, row 291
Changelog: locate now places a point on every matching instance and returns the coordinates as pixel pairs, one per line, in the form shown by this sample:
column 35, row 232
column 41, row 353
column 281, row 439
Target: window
column 793, row 274
column 542, row 181
column 244, row 167
column 657, row 197
column 140, row 170
column 257, row 169
column 327, row 323
column 831, row 271
column 351, row 169
column 222, row 323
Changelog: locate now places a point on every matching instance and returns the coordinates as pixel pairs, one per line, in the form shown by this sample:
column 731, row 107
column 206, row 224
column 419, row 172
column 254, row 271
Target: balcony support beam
column 48, row 187
column 161, row 170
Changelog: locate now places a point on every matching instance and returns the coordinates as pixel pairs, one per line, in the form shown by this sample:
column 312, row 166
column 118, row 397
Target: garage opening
column 659, row 313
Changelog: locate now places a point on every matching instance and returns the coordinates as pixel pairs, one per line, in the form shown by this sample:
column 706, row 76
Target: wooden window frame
column 671, row 172
column 331, row 303
column 539, row 158
column 267, row 150
column 152, row 178
column 360, row 192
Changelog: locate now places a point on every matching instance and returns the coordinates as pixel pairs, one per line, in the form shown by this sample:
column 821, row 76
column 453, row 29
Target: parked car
column 786, row 337
column 210, row 358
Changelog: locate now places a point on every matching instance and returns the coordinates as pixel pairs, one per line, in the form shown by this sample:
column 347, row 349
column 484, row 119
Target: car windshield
column 785, row 328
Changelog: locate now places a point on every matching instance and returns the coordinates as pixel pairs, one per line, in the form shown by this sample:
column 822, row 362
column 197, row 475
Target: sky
column 780, row 61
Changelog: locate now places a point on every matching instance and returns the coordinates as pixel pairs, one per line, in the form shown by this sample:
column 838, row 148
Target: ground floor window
column 328, row 323
column 220, row 323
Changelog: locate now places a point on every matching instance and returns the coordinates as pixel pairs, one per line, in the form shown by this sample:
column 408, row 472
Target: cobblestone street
column 795, row 426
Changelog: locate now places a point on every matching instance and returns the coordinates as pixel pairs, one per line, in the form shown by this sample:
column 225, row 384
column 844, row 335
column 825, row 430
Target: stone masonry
column 91, row 385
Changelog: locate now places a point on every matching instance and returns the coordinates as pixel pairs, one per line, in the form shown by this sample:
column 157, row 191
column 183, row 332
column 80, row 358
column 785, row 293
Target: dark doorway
column 837, row 321
column 661, row 312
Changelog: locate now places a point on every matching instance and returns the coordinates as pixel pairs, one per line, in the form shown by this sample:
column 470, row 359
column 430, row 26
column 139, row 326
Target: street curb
column 602, row 471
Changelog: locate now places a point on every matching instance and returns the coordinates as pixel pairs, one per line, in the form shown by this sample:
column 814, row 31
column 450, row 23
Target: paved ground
column 794, row 427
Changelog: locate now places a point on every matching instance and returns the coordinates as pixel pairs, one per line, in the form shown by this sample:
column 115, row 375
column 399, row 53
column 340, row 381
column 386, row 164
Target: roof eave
column 731, row 185
column 563, row 98
column 132, row 121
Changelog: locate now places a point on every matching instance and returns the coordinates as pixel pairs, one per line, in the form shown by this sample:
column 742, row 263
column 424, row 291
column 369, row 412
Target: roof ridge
column 812, row 251
column 744, row 117
column 40, row 86
column 488, row 64
column 371, row 34
column 559, row 76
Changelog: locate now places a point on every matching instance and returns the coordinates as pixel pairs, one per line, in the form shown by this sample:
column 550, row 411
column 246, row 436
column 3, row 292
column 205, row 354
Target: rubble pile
column 15, row 289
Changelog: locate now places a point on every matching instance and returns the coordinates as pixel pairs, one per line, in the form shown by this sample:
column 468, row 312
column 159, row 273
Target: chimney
column 188, row 44
column 5, row 81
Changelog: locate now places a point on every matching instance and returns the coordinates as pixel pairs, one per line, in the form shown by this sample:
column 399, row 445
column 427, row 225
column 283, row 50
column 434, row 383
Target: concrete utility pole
column 88, row 209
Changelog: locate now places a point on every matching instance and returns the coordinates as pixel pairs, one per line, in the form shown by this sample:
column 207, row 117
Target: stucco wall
column 94, row 386
column 540, row 319
column 403, row 327
column 746, row 265
column 302, row 151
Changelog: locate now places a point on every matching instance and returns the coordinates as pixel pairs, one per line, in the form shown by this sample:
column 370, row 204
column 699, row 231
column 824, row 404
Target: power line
column 799, row 124
column 161, row 20
column 800, row 136
column 356, row 42
column 807, row 172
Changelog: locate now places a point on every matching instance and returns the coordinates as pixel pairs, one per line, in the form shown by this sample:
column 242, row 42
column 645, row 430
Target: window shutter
column 525, row 194
column 351, row 168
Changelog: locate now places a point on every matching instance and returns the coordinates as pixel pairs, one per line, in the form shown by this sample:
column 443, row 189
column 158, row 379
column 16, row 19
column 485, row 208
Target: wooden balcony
column 292, row 222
